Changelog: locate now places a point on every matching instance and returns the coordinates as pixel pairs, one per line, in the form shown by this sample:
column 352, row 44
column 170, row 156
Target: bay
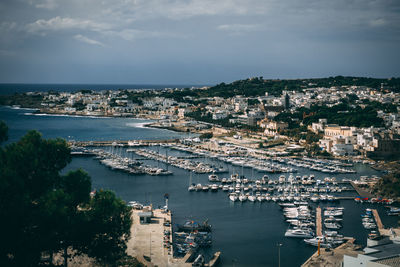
column 246, row 233
column 11, row 88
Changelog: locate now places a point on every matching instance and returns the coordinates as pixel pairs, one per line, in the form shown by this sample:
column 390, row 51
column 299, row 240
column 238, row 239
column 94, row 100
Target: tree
column 29, row 177
column 206, row 135
column 110, row 221
column 3, row 132
column 45, row 212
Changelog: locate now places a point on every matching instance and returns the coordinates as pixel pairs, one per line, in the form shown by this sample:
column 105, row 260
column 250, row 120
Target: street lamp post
column 279, row 254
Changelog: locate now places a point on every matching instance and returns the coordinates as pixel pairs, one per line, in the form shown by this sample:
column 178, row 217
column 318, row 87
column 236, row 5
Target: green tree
column 206, row 135
column 3, row 132
column 110, row 222
column 45, row 212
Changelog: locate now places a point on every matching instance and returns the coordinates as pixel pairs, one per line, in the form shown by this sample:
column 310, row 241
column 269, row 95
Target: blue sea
column 247, row 233
column 11, row 88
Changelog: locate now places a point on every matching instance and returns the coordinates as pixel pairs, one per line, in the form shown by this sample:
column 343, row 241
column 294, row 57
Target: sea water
column 247, row 233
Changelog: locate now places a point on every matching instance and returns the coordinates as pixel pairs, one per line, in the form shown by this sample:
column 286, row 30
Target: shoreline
column 149, row 124
column 44, row 112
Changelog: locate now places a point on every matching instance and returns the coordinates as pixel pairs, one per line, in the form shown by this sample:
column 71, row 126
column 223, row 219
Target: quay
column 151, row 240
column 378, row 221
column 318, row 223
column 345, row 198
column 148, row 238
column 361, row 192
column 333, row 257
column 124, row 143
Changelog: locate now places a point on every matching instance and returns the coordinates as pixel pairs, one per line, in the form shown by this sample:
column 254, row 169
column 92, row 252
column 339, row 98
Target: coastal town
column 258, row 121
column 299, row 148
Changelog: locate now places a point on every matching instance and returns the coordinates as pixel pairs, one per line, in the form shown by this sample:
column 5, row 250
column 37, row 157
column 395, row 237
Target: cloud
column 239, row 29
column 179, row 9
column 377, row 22
column 58, row 23
column 7, row 26
column 134, row 34
column 47, row 4
column 87, row 40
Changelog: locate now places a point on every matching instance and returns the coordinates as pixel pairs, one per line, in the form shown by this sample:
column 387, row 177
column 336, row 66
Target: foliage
column 135, row 97
column 79, row 105
column 202, row 115
column 206, row 136
column 258, row 86
column 25, row 100
column 109, row 227
column 344, row 115
column 45, row 212
column 388, row 185
column 253, row 102
column 341, row 114
column 375, row 105
column 85, row 91
column 3, row 132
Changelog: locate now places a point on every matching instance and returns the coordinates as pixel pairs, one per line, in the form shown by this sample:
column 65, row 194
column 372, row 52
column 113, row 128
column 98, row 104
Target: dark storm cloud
column 196, row 41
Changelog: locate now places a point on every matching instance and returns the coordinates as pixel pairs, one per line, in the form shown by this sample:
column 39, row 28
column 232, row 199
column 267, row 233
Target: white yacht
column 214, row 187
column 192, row 187
column 319, row 239
column 334, row 226
column 199, row 187
column 251, row 198
column 242, row 197
column 233, row 197
column 299, row 233
column 213, row 178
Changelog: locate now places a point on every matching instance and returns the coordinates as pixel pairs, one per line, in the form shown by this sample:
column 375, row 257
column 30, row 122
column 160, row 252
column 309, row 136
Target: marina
column 318, row 221
column 242, row 231
column 116, row 161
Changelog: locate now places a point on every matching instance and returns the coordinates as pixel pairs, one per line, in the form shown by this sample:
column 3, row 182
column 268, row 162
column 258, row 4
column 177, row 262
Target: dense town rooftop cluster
column 347, row 118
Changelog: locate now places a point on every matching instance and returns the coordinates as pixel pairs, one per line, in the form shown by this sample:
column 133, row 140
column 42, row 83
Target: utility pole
column 150, row 248
column 279, row 254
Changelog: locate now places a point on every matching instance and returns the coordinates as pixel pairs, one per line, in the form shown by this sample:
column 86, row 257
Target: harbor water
column 246, row 233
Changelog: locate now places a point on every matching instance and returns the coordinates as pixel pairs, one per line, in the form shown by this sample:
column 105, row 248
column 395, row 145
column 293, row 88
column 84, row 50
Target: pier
column 333, row 257
column 318, row 222
column 345, row 198
column 151, row 240
column 378, row 220
column 124, row 143
column 148, row 239
column 361, row 192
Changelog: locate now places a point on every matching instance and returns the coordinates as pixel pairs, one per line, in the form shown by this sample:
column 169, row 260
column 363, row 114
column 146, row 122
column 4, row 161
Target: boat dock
column 151, row 240
column 124, row 143
column 361, row 192
column 318, row 222
column 345, row 198
column 378, row 220
column 148, row 239
column 333, row 257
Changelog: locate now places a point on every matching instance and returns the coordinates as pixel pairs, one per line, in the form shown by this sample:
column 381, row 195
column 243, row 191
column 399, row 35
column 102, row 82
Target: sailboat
column 233, row 197
column 192, row 186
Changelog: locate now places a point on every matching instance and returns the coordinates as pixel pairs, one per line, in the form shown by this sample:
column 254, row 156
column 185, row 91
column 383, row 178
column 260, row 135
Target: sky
column 196, row 41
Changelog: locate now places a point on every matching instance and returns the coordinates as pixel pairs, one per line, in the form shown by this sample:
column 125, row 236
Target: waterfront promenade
column 126, row 143
column 333, row 257
column 378, row 221
column 361, row 192
column 147, row 240
column 318, row 219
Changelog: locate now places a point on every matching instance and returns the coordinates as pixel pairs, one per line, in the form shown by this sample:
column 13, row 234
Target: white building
column 218, row 115
column 381, row 253
column 342, row 149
